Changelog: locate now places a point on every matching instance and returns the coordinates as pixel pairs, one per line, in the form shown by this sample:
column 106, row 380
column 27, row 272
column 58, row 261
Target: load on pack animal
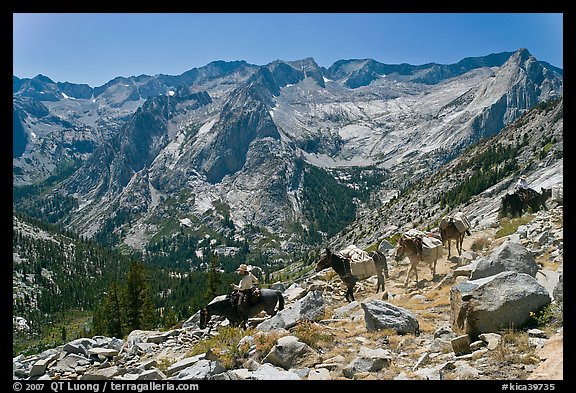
column 354, row 264
column 454, row 228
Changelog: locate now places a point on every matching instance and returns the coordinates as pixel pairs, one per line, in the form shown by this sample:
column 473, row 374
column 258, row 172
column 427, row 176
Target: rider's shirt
column 246, row 282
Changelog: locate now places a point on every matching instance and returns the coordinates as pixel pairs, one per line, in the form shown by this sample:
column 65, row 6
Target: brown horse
column 451, row 232
column 412, row 248
column 342, row 267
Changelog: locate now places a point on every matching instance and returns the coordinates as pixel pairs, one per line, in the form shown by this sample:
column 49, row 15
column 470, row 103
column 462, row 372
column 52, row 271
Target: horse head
column 407, row 247
column 400, row 250
column 443, row 233
column 204, row 317
column 325, row 262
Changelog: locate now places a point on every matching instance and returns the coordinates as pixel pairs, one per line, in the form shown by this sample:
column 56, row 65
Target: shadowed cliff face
column 246, row 116
column 244, row 119
column 237, row 130
column 20, row 138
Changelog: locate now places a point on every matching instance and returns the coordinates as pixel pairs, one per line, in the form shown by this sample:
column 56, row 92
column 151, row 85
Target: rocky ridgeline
column 489, row 292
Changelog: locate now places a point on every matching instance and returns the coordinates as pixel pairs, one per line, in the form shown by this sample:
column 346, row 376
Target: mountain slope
column 246, row 140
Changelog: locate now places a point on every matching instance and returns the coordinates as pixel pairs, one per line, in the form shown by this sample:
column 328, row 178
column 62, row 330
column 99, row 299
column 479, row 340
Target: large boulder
column 309, row 308
column 497, row 302
column 509, row 256
column 381, row 315
column 202, row 369
column 290, row 352
column 368, row 360
column 558, row 291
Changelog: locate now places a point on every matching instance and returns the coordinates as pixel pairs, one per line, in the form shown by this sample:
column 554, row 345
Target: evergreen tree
column 170, row 318
column 107, row 320
column 137, row 299
column 113, row 312
column 214, row 278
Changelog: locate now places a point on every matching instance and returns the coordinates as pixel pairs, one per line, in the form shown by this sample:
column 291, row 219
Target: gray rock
column 368, row 360
column 492, row 340
column 70, row 363
column 319, row 374
column 461, row 345
column 383, row 315
column 509, row 256
column 107, row 352
column 101, row 374
column 495, row 302
column 39, row 367
column 289, row 352
column 182, row 364
column 151, row 375
column 268, row 372
column 203, row 369
column 348, row 310
column 310, row 307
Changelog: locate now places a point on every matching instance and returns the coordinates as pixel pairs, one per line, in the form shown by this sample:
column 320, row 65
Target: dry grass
column 439, row 297
column 546, row 261
column 514, row 348
column 481, row 243
column 224, row 345
column 264, row 341
column 509, row 225
column 312, row 334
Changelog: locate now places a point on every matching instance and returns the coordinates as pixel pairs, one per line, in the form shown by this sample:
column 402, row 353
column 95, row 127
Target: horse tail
column 280, row 300
column 382, row 261
column 385, row 260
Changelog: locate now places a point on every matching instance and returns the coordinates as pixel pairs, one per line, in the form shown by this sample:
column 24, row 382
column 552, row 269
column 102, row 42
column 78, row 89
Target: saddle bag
column 363, row 269
column 362, row 265
column 432, row 249
column 461, row 222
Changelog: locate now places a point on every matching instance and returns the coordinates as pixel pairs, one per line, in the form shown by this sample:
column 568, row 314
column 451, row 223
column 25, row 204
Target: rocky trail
column 320, row 336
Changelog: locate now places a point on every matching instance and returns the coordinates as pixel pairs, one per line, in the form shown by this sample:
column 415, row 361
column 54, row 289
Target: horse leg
column 410, row 270
column 408, row 275
column 380, row 282
column 350, row 294
column 271, row 309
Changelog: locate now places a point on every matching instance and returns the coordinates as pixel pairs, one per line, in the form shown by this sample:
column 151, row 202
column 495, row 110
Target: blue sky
column 93, row 48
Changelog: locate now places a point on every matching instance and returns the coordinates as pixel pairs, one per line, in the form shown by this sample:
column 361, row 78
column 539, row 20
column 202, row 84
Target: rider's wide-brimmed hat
column 243, row 268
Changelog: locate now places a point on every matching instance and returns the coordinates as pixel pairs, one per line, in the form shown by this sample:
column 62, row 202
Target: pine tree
column 108, row 317
column 214, row 278
column 113, row 312
column 170, row 318
column 137, row 299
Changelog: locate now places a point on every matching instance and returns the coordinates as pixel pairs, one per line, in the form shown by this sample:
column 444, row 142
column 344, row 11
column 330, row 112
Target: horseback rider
column 246, row 283
column 522, row 183
column 522, row 188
